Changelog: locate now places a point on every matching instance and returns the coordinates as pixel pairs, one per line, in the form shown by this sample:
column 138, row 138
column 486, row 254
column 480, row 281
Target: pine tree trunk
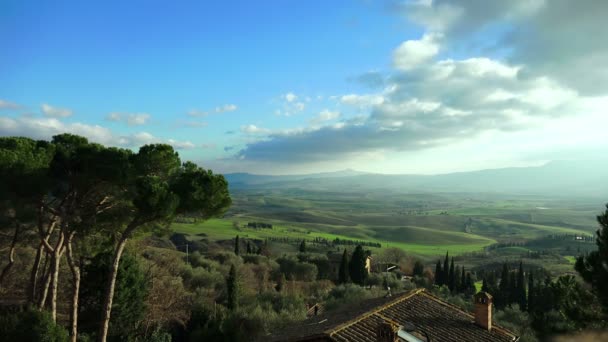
column 31, row 293
column 75, row 289
column 47, row 282
column 44, row 246
column 55, row 259
column 11, row 254
column 109, row 295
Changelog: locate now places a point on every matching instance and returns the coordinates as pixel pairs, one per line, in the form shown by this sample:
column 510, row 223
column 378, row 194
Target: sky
column 288, row 87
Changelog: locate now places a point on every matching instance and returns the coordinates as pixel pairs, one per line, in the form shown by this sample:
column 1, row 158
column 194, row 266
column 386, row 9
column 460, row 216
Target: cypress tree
column 303, row 246
column 463, row 281
column 484, row 285
column 445, row 276
column 457, row 281
column 237, row 247
column 451, row 276
column 343, row 271
column 512, row 288
column 249, row 250
column 502, row 297
column 531, row 293
column 357, row 271
column 438, row 274
column 470, row 285
column 418, row 269
column 521, row 289
column 232, row 287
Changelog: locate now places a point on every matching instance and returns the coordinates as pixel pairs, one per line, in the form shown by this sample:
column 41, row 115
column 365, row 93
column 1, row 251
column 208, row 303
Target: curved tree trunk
column 44, row 242
column 31, row 292
column 55, row 259
column 109, row 295
column 47, row 282
column 75, row 289
column 11, row 254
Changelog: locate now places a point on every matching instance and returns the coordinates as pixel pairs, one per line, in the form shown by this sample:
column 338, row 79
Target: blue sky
column 290, row 87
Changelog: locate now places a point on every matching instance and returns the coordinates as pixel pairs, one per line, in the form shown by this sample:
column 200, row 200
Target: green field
column 421, row 224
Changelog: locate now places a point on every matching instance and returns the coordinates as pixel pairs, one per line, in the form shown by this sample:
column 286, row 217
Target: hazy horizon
column 389, row 87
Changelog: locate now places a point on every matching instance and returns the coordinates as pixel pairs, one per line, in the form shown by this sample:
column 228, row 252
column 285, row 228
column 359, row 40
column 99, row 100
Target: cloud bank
column 533, row 75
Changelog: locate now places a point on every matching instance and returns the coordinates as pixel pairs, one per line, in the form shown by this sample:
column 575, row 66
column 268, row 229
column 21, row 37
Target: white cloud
column 114, row 117
column 4, row 104
column 253, row 129
column 325, row 115
column 132, row 119
column 196, row 112
column 181, row 145
column 290, row 97
column 412, row 53
column 46, row 128
column 55, row 112
column 138, row 119
column 290, row 105
column 443, row 103
column 366, row 100
column 219, row 110
column 226, row 108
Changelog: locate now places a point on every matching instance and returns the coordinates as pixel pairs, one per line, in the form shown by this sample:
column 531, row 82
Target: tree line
column 79, row 199
column 456, row 278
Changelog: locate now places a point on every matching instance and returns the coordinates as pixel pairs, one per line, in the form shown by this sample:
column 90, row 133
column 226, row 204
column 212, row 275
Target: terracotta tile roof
column 440, row 320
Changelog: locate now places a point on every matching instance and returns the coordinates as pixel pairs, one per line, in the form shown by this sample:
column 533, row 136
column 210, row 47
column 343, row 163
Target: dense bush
column 31, row 326
column 345, row 294
column 128, row 307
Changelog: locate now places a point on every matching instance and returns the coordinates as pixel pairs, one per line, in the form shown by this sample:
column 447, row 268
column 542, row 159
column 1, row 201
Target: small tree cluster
column 455, row 277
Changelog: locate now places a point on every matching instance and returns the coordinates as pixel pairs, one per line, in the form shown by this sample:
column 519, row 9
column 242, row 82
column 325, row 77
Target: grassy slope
column 426, row 224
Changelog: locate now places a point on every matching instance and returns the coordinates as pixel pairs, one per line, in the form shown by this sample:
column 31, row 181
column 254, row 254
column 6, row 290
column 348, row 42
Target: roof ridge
column 445, row 303
column 359, row 318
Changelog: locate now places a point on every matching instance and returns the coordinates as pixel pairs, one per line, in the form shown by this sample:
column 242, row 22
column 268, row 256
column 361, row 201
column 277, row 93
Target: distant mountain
column 565, row 178
column 249, row 178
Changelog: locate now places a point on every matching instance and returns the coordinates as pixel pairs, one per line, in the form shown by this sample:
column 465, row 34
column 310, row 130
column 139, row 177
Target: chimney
column 387, row 332
column 483, row 310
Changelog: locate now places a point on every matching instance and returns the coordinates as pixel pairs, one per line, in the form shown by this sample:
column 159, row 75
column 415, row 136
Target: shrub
column 31, row 326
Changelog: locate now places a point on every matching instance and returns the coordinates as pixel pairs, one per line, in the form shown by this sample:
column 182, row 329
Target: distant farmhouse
column 415, row 316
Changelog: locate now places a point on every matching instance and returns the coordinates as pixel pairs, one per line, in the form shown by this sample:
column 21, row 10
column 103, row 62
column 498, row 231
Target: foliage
column 356, row 267
column 237, row 246
column 232, row 289
column 418, row 269
column 131, row 290
column 345, row 294
column 516, row 321
column 31, row 326
column 592, row 267
column 344, row 267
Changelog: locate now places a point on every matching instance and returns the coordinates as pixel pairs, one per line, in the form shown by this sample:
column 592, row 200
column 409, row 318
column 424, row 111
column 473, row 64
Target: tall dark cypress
column 531, row 293
column 463, row 281
column 232, row 286
column 502, row 297
column 452, row 276
column 237, row 247
column 356, row 267
column 446, row 270
column 521, row 289
column 438, row 274
column 249, row 250
column 470, row 285
column 512, row 288
column 484, row 285
column 343, row 271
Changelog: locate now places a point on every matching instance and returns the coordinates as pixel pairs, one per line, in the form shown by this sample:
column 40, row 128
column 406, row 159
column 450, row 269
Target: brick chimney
column 483, row 310
column 387, row 332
